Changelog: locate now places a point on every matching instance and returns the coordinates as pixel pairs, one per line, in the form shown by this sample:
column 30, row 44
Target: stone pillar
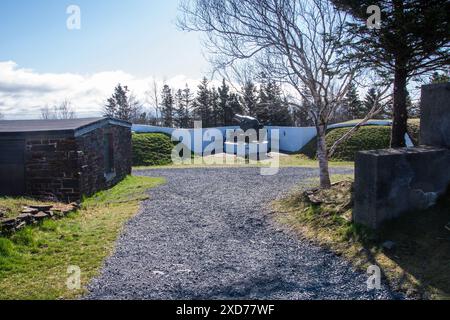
column 392, row 182
column 435, row 115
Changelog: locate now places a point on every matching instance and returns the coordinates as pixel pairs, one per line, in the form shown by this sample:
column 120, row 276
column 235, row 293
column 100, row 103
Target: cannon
column 246, row 123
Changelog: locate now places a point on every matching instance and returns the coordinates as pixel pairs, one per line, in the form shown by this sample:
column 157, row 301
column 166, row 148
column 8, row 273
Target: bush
column 366, row 138
column 152, row 149
column 414, row 130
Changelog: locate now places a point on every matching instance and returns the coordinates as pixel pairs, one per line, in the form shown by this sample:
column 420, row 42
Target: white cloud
column 23, row 92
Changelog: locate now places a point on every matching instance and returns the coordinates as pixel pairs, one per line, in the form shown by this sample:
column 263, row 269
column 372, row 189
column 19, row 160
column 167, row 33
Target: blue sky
column 132, row 42
column 135, row 36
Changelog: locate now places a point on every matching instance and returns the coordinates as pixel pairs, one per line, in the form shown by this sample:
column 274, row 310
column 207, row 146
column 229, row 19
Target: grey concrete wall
column 391, row 182
column 435, row 115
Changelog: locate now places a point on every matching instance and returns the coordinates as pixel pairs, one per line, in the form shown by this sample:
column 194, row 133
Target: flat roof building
column 63, row 159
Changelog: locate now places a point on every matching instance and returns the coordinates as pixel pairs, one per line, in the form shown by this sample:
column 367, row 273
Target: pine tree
column 233, row 107
column 110, row 109
column 352, row 104
column 167, row 108
column 122, row 105
column 187, row 98
column 216, row 113
column 440, row 77
column 369, row 102
column 301, row 117
column 272, row 108
column 412, row 40
column 262, row 107
column 179, row 109
column 224, row 107
column 249, row 98
column 202, row 108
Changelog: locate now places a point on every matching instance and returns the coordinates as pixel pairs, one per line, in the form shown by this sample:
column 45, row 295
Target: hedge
column 414, row 130
column 366, row 138
column 152, row 149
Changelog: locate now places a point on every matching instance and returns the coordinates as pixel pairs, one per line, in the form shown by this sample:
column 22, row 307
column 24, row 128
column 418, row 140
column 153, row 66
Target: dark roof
column 73, row 126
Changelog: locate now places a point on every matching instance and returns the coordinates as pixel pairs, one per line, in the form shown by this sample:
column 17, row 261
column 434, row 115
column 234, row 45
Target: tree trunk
column 399, row 126
column 322, row 156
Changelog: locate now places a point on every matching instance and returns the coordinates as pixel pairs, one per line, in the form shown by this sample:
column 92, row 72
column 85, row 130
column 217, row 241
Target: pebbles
column 216, row 223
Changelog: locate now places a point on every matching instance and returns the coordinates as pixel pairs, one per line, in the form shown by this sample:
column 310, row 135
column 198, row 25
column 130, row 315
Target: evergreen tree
column 301, row 116
column 179, row 111
column 233, row 107
column 250, row 98
column 110, row 109
column 369, row 103
column 122, row 105
column 167, row 107
column 202, row 108
column 352, row 104
column 216, row 113
column 262, row 108
column 224, row 106
column 412, row 40
column 440, row 78
column 272, row 108
column 188, row 99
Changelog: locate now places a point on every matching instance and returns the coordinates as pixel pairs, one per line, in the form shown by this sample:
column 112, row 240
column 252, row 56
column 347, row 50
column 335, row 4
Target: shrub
column 366, row 138
column 152, row 149
column 414, row 130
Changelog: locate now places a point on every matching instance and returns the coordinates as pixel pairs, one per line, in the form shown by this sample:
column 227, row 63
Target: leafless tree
column 152, row 98
column 61, row 111
column 65, row 110
column 294, row 41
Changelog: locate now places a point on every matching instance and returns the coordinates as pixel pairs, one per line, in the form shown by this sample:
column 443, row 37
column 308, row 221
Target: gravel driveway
column 206, row 234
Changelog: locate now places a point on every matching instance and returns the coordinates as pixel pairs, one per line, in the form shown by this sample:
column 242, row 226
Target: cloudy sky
column 133, row 42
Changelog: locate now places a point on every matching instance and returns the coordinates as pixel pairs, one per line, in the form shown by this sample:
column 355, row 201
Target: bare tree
column 61, row 111
column 65, row 110
column 152, row 98
column 295, row 41
column 46, row 113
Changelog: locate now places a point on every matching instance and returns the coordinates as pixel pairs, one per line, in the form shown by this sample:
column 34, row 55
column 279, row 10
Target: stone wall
column 92, row 162
column 393, row 182
column 67, row 168
column 51, row 168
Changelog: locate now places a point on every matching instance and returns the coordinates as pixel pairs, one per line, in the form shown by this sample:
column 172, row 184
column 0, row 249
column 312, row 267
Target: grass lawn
column 293, row 160
column 418, row 265
column 34, row 261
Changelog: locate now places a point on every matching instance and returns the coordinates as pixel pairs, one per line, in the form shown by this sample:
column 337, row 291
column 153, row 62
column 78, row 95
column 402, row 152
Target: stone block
column 391, row 182
column 435, row 115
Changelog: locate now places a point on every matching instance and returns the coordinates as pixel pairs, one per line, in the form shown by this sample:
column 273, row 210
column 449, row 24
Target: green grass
column 419, row 264
column 152, row 149
column 294, row 160
column 366, row 138
column 34, row 261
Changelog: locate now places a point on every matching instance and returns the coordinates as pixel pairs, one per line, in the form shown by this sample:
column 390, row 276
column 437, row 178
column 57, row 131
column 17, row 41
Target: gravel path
column 206, row 235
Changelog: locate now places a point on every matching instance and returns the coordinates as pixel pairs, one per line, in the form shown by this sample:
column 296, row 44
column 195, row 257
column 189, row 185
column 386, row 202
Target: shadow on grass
column 419, row 261
column 423, row 247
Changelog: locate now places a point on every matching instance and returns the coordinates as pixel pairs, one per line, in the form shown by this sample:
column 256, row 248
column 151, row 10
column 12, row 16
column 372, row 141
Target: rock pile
column 33, row 214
